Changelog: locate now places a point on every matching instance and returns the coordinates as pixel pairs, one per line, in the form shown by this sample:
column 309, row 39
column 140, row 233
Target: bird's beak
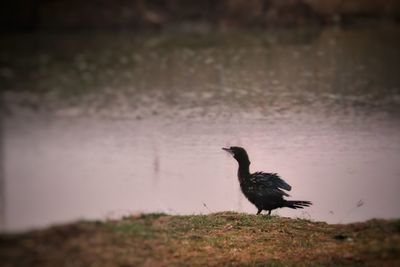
column 228, row 150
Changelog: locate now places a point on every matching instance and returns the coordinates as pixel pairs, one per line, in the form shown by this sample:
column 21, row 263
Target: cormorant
column 264, row 190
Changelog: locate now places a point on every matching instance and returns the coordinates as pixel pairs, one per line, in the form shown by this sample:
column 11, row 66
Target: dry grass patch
column 206, row 240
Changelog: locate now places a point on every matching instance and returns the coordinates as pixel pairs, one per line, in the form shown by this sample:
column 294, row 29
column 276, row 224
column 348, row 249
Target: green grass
column 220, row 239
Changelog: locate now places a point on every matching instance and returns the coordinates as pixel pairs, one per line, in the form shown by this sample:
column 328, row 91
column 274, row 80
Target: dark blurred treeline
column 31, row 15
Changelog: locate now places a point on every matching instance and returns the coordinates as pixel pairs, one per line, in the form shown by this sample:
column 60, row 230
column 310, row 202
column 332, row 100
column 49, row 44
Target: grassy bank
column 206, row 240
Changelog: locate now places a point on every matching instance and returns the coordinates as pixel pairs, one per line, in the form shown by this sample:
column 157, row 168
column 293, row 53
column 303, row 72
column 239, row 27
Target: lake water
column 117, row 125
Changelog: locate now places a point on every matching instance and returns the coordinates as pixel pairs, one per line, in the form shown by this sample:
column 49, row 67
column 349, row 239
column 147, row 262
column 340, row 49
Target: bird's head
column 238, row 153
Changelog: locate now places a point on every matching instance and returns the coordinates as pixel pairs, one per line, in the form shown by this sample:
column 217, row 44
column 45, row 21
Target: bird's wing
column 271, row 182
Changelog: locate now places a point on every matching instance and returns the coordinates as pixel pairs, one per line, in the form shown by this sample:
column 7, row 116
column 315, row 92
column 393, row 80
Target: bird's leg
column 259, row 211
column 269, row 212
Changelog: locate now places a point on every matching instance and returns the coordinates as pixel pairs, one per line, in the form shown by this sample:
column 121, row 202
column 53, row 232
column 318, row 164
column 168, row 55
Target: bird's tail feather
column 297, row 204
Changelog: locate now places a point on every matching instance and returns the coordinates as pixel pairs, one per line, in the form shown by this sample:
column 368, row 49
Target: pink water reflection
column 64, row 169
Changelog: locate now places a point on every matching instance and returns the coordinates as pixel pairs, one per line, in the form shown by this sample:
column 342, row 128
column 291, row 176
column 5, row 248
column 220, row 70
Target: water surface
column 137, row 125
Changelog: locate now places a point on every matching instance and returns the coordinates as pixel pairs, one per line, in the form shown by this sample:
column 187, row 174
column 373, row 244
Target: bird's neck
column 244, row 170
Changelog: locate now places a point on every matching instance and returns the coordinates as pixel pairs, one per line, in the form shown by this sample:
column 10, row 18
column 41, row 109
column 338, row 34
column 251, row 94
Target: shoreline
column 225, row 238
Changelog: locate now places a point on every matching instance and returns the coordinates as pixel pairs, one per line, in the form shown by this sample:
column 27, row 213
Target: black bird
column 264, row 190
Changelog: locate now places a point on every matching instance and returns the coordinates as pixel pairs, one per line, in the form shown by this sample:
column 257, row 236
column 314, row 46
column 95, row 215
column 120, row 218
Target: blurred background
column 111, row 108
